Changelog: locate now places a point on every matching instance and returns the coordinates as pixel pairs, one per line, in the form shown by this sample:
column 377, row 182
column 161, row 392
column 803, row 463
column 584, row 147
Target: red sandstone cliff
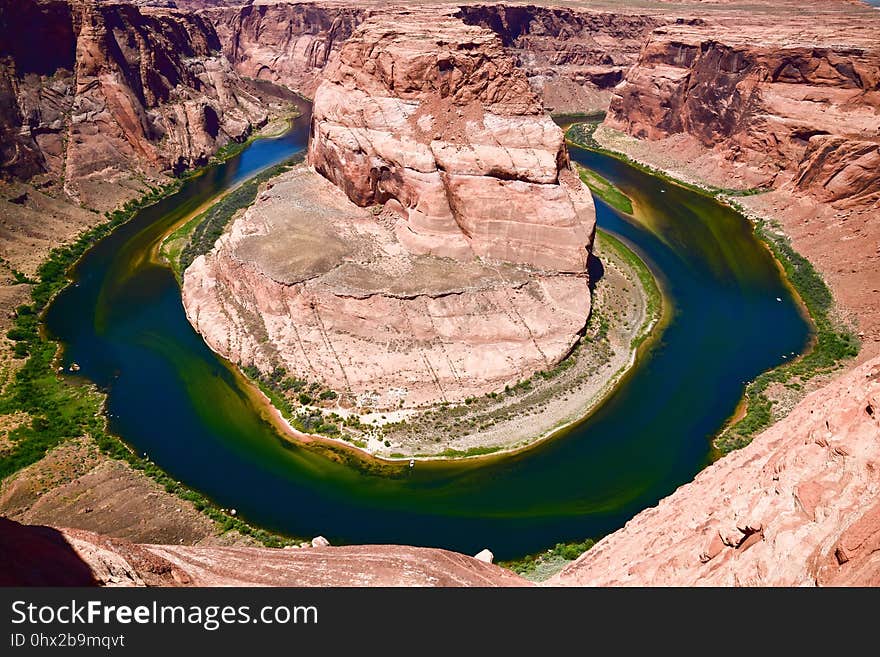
column 432, row 115
column 288, row 43
column 101, row 97
column 573, row 57
column 795, row 109
column 792, row 106
column 798, row 506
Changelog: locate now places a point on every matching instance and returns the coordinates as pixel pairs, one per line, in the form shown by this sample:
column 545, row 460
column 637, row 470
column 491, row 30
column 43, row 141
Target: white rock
column 485, row 555
column 320, row 541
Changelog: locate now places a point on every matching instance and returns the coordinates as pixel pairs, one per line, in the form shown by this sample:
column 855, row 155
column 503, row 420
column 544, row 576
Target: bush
column 292, row 384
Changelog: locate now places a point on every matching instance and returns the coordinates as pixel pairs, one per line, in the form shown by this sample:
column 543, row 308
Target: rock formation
column 572, row 57
column 43, row 556
column 122, row 94
column 432, row 115
column 798, row 506
column 777, row 103
column 287, row 43
column 795, row 109
column 472, row 276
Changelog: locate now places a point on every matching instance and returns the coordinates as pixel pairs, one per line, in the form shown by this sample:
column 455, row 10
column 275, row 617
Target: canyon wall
column 795, row 110
column 287, row 43
column 469, row 270
column 573, row 57
column 121, row 95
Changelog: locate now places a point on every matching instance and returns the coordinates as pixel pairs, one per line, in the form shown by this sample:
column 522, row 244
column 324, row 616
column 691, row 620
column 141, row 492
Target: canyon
column 126, row 94
column 129, row 95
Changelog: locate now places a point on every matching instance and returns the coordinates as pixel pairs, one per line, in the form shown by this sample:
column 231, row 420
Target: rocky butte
column 454, row 259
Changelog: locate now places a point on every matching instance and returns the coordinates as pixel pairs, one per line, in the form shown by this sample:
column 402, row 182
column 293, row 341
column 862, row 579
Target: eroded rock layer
column 286, row 43
column 432, row 115
column 473, row 275
column 798, row 105
column 43, row 556
column 798, row 506
column 795, row 110
column 100, row 97
column 573, row 57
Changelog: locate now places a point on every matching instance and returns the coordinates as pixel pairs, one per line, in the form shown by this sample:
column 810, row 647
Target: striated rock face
column 287, row 43
column 43, row 556
column 473, row 274
column 793, row 107
column 433, row 116
column 307, row 280
column 572, row 57
column 798, row 506
column 121, row 94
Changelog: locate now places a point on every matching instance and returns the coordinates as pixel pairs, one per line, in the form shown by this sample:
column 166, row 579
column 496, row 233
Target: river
column 170, row 397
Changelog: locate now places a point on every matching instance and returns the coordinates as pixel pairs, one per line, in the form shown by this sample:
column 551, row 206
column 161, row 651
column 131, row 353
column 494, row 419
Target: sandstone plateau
column 470, row 271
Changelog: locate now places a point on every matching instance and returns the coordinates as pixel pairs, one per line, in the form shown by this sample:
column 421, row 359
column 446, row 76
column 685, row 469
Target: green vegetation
column 543, row 565
column 606, row 190
column 198, row 236
column 471, row 451
column 582, row 134
column 62, row 410
column 306, row 420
